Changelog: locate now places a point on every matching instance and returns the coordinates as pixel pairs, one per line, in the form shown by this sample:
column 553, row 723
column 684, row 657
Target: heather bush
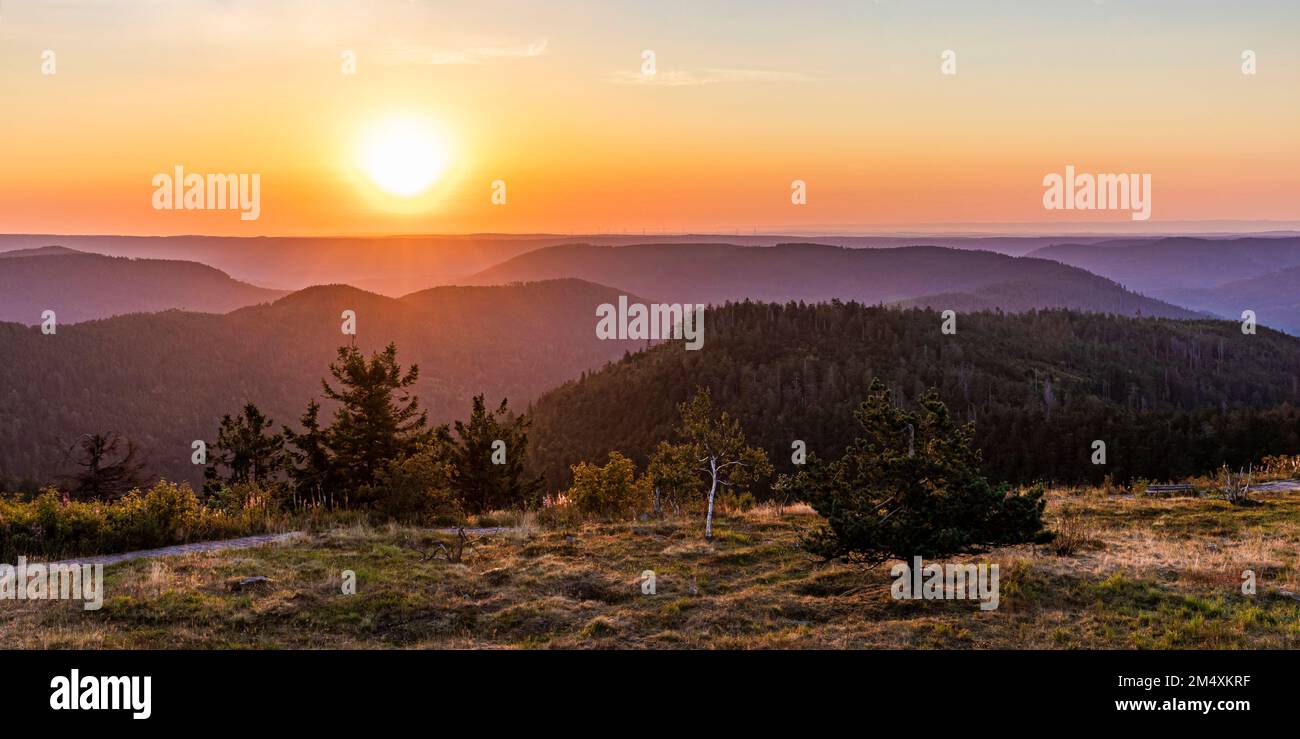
column 563, row 516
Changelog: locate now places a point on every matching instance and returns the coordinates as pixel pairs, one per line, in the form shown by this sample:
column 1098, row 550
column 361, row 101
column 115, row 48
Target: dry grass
column 1162, row 573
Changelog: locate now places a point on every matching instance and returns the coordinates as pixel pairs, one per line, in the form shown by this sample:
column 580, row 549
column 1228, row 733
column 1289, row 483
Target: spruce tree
column 378, row 420
column 309, row 463
column 489, row 457
column 244, row 448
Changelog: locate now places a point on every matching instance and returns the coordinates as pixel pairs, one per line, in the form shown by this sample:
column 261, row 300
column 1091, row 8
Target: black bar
column 494, row 689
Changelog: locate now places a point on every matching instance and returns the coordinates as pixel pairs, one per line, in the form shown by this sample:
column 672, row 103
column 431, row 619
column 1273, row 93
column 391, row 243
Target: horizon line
column 950, row 230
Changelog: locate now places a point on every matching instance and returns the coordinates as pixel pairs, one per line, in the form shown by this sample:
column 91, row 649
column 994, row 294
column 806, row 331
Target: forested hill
column 1178, row 262
column 164, row 379
column 1168, row 397
column 1273, row 297
column 78, row 286
column 716, row 273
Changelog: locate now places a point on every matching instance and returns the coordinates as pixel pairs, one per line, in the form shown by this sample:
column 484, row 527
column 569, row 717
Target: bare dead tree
column 109, row 467
column 1236, row 488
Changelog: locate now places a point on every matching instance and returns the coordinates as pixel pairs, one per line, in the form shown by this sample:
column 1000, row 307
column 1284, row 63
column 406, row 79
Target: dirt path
column 198, row 546
column 1278, row 486
column 224, row 544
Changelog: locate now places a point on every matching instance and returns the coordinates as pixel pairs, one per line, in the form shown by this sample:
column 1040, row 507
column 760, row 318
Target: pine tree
column 309, row 463
column 909, row 485
column 245, row 449
column 378, row 419
column 490, row 456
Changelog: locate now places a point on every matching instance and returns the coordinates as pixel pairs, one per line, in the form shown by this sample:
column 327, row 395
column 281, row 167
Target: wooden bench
column 1167, row 489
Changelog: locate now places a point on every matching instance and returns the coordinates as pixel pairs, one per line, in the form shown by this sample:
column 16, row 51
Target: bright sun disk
column 404, row 158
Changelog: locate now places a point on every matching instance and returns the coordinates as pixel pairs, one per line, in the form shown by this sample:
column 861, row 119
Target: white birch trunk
column 713, row 489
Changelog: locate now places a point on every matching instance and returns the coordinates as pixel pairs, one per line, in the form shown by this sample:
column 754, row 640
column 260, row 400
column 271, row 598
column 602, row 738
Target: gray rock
column 249, row 582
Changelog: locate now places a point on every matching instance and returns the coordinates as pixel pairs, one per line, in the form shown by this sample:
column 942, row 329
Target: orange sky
column 550, row 99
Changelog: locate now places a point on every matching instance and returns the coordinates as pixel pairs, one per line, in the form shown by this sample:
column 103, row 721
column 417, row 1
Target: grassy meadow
column 1125, row 572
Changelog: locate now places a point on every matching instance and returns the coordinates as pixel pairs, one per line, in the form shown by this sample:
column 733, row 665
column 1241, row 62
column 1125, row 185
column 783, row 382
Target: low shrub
column 609, row 491
column 52, row 527
column 416, row 488
column 738, row 502
column 1072, row 533
column 564, row 516
column 247, row 496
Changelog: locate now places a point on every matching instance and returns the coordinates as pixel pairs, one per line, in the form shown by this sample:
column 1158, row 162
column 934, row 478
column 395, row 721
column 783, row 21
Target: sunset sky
column 549, row 98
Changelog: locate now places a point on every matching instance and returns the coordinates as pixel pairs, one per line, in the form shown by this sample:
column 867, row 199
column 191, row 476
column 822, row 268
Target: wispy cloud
column 707, row 76
column 469, row 55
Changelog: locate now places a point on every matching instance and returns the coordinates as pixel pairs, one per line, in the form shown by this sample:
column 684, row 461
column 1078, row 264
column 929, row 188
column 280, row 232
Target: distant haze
column 398, row 265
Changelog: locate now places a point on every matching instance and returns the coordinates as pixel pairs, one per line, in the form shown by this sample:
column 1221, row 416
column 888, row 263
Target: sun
column 404, row 157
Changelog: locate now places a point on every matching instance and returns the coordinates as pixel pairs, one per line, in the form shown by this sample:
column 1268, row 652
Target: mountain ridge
column 714, row 273
column 81, row 286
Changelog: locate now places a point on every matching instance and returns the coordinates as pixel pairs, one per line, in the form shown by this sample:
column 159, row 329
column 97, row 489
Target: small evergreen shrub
column 910, row 485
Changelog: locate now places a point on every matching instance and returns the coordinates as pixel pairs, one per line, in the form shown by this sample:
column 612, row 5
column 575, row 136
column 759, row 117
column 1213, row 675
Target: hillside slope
column 165, row 379
column 79, row 286
column 1167, row 397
